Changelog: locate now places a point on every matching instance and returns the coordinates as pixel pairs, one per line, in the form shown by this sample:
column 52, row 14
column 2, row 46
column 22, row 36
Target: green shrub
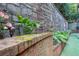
column 61, row 36
column 28, row 25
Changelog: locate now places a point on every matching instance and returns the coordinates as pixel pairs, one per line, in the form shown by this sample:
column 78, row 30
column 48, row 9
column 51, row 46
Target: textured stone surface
column 14, row 9
column 4, row 52
column 21, row 47
column 43, row 48
column 17, row 45
column 46, row 13
column 13, row 50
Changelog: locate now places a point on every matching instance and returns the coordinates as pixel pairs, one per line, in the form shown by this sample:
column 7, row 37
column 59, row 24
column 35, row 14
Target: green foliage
column 61, row 36
column 1, row 25
column 69, row 11
column 29, row 25
column 1, row 28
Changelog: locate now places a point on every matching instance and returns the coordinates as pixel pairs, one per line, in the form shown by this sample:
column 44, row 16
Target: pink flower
column 9, row 24
column 6, row 17
column 12, row 28
column 1, row 14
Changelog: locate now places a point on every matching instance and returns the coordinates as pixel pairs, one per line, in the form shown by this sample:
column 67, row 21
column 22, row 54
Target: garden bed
column 58, row 47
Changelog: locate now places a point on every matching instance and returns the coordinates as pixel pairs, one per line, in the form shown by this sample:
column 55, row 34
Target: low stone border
column 16, row 45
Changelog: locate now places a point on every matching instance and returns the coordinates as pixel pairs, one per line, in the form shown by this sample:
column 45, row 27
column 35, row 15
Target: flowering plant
column 5, row 24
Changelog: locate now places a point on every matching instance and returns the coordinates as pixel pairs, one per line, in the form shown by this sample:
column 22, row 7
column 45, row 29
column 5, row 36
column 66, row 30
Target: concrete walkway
column 72, row 46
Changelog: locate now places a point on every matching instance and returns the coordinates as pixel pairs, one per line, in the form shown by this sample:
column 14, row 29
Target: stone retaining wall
column 27, row 45
column 46, row 13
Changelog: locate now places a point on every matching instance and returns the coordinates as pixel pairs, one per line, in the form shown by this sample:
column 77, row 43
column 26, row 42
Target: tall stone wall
column 59, row 22
column 46, row 13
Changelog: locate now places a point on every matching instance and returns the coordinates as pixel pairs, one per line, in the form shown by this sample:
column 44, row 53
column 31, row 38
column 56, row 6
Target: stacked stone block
column 46, row 13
